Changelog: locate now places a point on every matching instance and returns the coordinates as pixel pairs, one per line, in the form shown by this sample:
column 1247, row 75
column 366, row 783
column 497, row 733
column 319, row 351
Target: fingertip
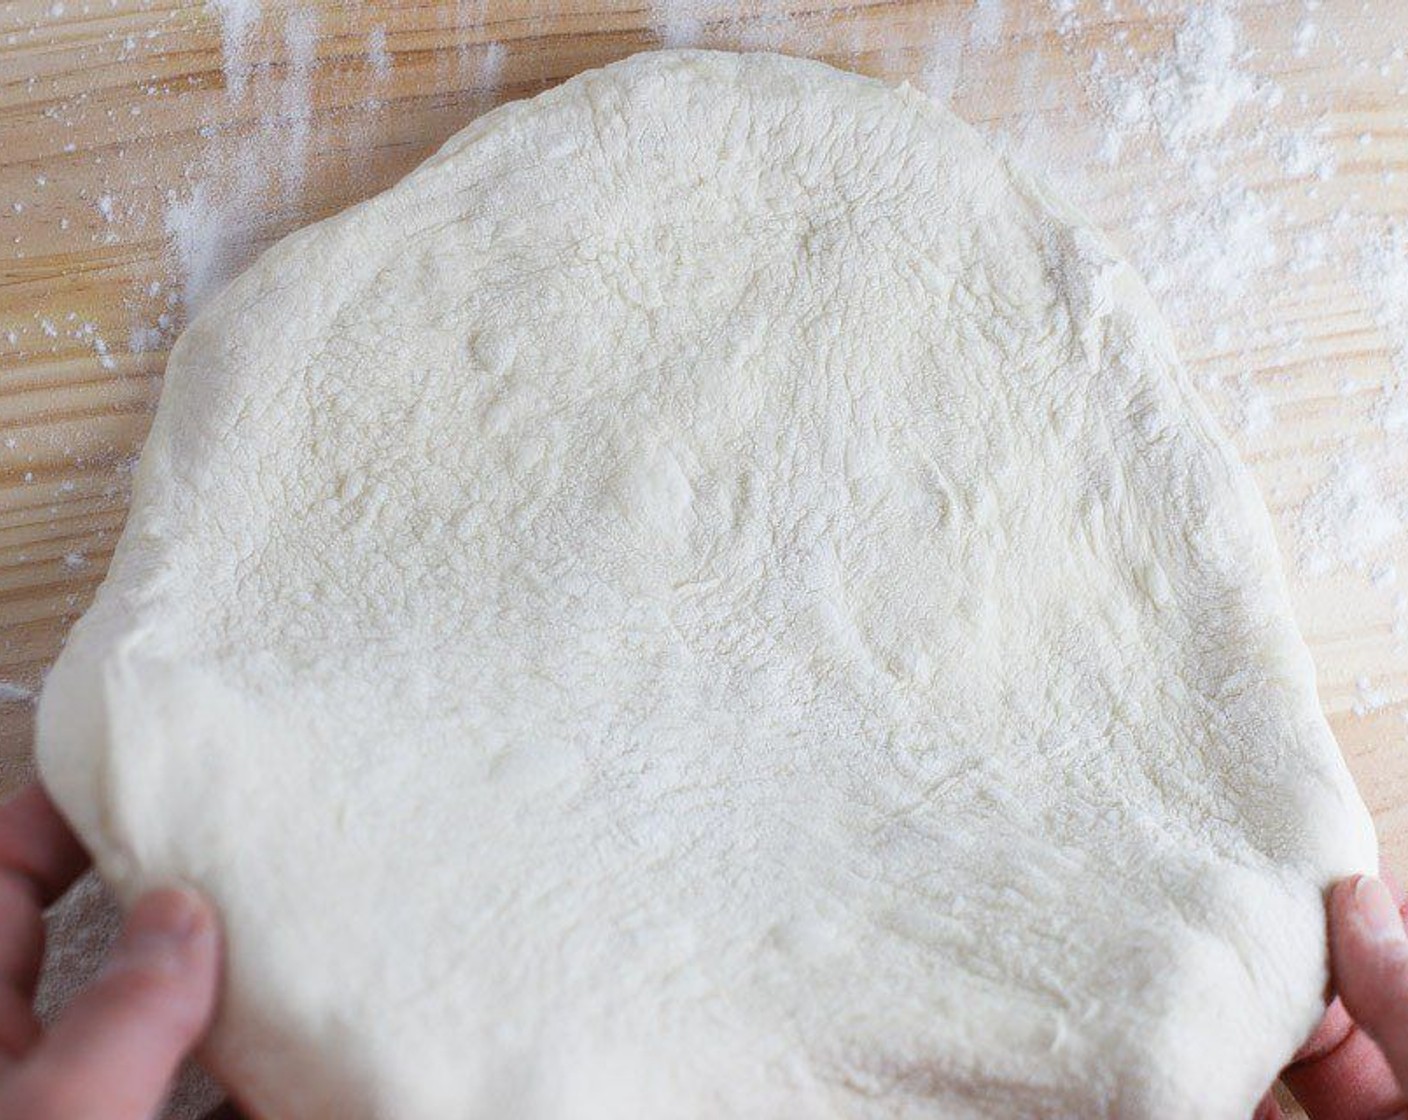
column 168, row 955
column 1342, row 896
column 1369, row 958
column 1365, row 911
column 172, row 929
column 1341, row 1070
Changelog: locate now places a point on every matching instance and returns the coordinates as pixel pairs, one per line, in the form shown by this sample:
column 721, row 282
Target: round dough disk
column 711, row 598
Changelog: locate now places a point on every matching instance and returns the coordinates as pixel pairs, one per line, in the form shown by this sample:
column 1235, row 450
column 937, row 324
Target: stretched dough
column 711, row 598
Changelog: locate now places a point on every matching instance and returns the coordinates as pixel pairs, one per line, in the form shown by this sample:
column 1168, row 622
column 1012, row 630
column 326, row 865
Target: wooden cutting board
column 148, row 147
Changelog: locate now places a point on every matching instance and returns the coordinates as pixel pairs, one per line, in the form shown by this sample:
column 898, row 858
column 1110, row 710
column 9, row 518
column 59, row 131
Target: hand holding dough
column 711, row 598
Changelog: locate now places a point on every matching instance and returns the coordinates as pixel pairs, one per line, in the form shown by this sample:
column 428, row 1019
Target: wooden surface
column 120, row 121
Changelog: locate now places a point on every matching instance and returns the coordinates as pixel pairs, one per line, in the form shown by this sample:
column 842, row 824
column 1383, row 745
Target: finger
column 1340, row 1073
column 36, row 843
column 1369, row 958
column 1349, row 1080
column 114, row 1051
column 39, row 858
column 1268, row 1109
column 19, row 1027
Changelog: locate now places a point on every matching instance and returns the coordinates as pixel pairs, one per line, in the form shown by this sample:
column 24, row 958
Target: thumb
column 115, row 1049
column 1369, row 958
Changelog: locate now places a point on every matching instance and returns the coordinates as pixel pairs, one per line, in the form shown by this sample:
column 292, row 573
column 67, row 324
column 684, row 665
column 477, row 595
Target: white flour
column 1301, row 154
column 676, row 23
column 1211, row 253
column 217, row 222
column 986, row 27
column 1383, row 277
column 295, row 115
column 237, row 20
column 378, row 56
column 1369, row 699
column 943, row 66
column 1187, row 95
column 1347, row 519
column 1255, row 411
column 1309, row 251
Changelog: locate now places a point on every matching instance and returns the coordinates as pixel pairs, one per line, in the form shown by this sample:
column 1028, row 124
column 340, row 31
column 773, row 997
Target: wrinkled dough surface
column 711, row 598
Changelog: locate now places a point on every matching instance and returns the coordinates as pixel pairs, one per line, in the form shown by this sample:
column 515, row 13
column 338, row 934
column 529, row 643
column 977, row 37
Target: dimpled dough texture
column 712, row 598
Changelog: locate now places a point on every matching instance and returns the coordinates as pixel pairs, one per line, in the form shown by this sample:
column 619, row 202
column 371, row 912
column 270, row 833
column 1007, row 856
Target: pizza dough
column 712, row 598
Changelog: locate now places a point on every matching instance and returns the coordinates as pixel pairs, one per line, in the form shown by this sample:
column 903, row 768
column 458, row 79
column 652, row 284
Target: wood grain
column 112, row 114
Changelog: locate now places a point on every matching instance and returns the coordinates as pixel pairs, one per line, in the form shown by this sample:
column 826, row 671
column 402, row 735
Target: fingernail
column 162, row 928
column 1377, row 912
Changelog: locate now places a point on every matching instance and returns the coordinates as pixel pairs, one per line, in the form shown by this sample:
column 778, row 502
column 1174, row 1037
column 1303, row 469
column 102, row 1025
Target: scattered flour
column 1346, row 520
column 1307, row 31
column 1367, row 698
column 1383, row 279
column 1255, row 414
column 1392, row 412
column 489, row 71
column 378, row 57
column 676, row 23
column 212, row 227
column 296, row 107
column 943, row 61
column 1309, row 250
column 1206, row 256
column 210, row 240
column 146, row 339
column 100, row 348
column 768, row 27
column 1302, row 154
column 1184, row 96
column 985, row 31
column 237, row 22
column 227, row 210
column 12, row 693
column 1383, row 276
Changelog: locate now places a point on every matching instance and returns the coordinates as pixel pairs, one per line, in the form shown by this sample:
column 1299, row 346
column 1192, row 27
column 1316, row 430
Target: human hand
column 114, row 1050
column 1356, row 1064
